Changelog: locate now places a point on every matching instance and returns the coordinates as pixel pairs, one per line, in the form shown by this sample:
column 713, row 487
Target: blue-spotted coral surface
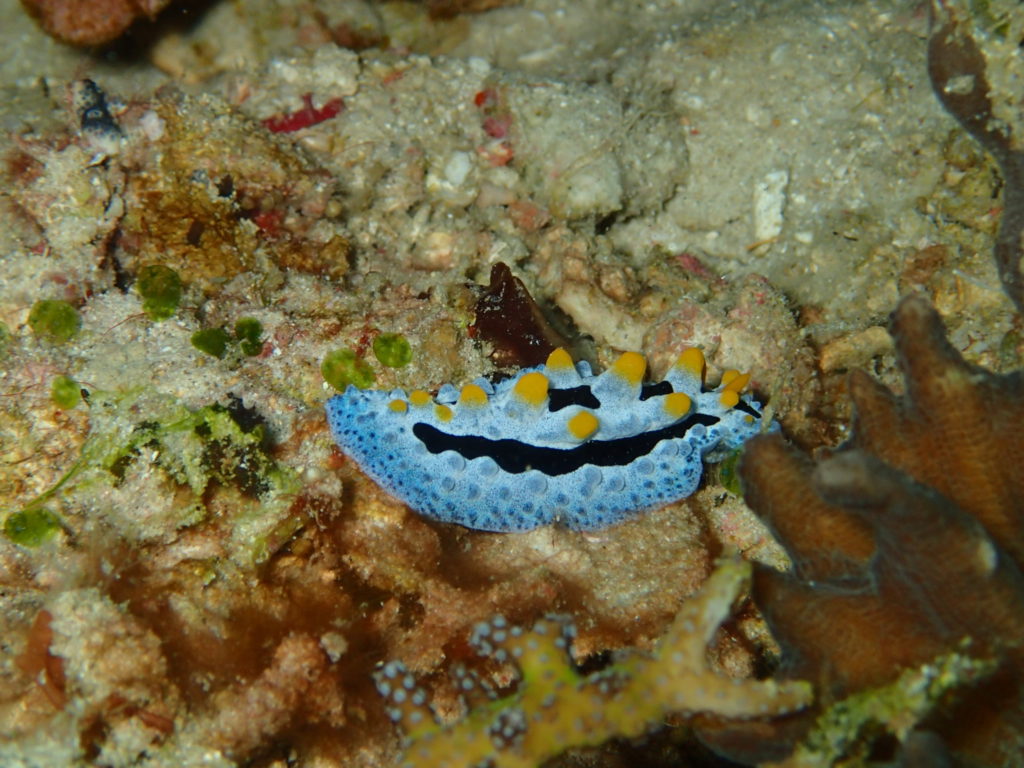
column 553, row 444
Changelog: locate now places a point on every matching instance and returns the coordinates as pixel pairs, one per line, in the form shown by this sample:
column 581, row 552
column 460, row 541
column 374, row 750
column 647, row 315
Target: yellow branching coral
column 554, row 707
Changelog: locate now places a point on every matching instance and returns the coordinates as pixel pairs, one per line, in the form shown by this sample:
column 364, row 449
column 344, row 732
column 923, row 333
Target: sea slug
column 553, row 444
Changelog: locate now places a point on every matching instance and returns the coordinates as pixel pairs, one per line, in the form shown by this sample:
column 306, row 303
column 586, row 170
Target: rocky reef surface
column 222, row 216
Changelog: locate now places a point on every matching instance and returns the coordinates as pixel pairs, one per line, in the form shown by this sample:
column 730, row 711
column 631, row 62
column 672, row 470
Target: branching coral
column 554, row 707
column 907, row 545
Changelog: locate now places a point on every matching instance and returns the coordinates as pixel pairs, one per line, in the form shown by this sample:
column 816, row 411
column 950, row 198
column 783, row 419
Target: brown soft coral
column 906, row 544
column 250, row 714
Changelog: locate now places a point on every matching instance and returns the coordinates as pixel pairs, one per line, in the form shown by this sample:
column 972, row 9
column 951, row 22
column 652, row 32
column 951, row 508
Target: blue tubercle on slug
column 553, row 444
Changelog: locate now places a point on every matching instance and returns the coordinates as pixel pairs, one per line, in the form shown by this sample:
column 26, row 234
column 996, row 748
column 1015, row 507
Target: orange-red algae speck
column 305, row 117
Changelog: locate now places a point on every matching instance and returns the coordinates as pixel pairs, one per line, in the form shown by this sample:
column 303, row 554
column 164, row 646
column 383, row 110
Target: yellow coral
column 554, row 707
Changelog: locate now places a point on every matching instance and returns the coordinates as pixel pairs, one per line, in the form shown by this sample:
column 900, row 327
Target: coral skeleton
column 554, row 707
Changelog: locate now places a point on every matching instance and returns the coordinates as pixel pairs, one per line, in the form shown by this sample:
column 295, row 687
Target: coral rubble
column 190, row 573
column 907, row 547
column 90, row 22
column 212, row 195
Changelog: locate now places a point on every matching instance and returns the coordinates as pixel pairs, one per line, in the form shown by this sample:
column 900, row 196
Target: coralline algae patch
column 553, row 444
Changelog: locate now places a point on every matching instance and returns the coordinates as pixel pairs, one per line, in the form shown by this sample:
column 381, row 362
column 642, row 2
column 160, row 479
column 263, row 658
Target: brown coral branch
column 907, row 545
column 955, row 430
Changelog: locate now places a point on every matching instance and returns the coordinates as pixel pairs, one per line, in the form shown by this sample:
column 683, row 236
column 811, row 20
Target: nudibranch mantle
column 555, row 443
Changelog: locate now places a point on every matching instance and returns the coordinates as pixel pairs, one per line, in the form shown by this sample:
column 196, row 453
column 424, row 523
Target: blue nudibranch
column 553, row 444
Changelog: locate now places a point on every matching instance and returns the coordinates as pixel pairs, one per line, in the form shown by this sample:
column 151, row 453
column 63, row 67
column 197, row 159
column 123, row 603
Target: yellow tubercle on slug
column 398, row 406
column 583, row 425
column 532, row 388
column 443, row 412
column 631, row 366
column 473, row 396
column 692, row 360
column 729, row 398
column 419, row 398
column 559, row 360
column 734, row 380
column 677, row 405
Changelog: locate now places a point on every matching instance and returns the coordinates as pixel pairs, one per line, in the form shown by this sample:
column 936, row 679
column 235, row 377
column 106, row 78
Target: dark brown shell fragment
column 509, row 318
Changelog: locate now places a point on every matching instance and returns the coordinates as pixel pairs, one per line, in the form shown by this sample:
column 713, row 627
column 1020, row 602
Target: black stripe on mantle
column 516, row 457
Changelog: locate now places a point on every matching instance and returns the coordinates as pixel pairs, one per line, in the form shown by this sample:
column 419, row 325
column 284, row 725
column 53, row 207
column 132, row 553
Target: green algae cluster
column 65, row 392
column 31, row 527
column 216, row 341
column 392, row 350
column 180, row 455
column 211, row 341
column 54, row 320
column 726, row 472
column 160, row 289
column 249, row 334
column 342, row 367
column 5, row 339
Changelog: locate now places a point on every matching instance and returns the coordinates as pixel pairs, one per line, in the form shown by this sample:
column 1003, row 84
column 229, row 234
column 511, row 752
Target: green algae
column 5, row 340
column 217, row 342
column 342, row 367
column 212, row 341
column 155, row 445
column 160, row 289
column 990, row 18
column 249, row 333
column 65, row 392
column 392, row 350
column 726, row 472
column 846, row 730
column 54, row 321
column 1010, row 349
column 31, row 528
